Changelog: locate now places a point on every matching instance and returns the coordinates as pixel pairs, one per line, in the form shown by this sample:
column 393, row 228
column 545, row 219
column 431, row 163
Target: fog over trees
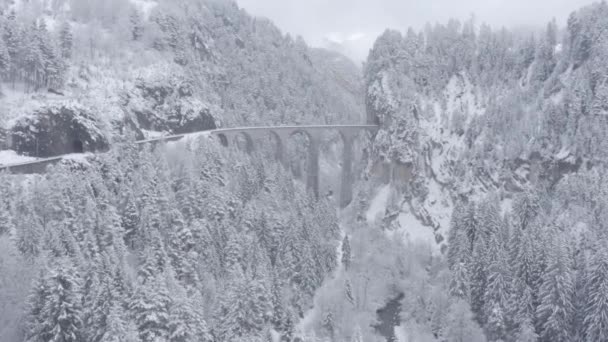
column 479, row 210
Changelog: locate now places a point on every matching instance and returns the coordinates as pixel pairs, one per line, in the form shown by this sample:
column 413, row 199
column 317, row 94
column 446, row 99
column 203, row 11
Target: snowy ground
column 11, row 157
column 410, row 228
column 378, row 204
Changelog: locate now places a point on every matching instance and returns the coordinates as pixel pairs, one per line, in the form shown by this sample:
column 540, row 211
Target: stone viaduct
column 281, row 134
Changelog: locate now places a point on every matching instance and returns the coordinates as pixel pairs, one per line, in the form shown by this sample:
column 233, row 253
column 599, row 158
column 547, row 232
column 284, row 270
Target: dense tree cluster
column 501, row 94
column 152, row 246
column 242, row 67
column 535, row 276
column 468, row 105
column 33, row 54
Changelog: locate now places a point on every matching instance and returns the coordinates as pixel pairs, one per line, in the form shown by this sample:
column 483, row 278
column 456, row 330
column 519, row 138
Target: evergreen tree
column 130, row 223
column 186, row 322
column 150, row 308
column 6, row 221
column 55, row 309
column 32, row 58
column 13, row 41
column 29, row 233
column 242, row 310
column 457, row 242
column 119, row 327
column 555, row 312
column 66, row 41
column 497, row 293
column 459, row 283
column 5, row 59
column 526, row 332
column 600, row 100
column 460, row 326
column 478, row 275
column 526, row 209
column 596, row 311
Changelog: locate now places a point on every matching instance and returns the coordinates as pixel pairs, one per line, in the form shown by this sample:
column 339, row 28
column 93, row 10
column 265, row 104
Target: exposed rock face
column 170, row 106
column 56, row 130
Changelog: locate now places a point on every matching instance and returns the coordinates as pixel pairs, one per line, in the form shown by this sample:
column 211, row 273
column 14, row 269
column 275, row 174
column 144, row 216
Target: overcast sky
column 356, row 23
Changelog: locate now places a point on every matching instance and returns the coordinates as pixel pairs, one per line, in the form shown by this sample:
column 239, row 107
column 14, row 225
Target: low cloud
column 357, row 22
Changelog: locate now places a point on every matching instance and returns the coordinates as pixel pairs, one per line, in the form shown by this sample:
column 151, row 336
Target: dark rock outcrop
column 56, row 130
column 170, row 106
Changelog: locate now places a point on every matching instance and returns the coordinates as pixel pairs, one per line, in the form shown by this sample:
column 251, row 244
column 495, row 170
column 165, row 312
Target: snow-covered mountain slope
column 488, row 114
column 166, row 66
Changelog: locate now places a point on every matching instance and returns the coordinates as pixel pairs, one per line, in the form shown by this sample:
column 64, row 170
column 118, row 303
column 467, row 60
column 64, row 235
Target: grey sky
column 356, row 23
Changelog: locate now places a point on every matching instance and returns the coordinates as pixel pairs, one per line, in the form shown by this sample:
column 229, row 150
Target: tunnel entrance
column 77, row 146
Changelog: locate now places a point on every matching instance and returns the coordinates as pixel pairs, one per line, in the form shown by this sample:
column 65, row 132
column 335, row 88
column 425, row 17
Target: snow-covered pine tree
column 6, row 220
column 52, row 66
column 490, row 225
column 526, row 276
column 119, row 327
column 55, row 312
column 186, row 321
column 31, row 57
column 5, row 60
column 478, row 277
column 545, row 60
column 600, row 99
column 13, row 40
column 460, row 324
column 459, row 281
column 526, row 332
column 497, row 293
column 238, row 314
column 596, row 311
column 29, row 233
column 525, row 209
column 581, row 275
column 150, row 307
column 66, row 41
column 130, row 222
column 457, row 242
column 555, row 312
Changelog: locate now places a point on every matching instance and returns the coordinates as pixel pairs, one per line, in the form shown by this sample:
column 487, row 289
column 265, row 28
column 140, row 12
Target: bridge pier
column 347, row 179
column 282, row 134
column 282, row 139
column 312, row 172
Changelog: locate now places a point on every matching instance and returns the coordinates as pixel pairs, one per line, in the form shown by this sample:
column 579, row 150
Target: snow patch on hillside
column 145, row 6
column 461, row 99
column 378, row 204
column 412, row 230
column 11, row 157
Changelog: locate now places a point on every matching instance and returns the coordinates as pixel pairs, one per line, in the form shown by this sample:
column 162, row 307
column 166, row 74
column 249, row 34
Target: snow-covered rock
column 55, row 130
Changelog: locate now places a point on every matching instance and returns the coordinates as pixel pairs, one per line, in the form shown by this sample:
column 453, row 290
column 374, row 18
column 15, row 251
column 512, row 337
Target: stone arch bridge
column 230, row 137
column 281, row 134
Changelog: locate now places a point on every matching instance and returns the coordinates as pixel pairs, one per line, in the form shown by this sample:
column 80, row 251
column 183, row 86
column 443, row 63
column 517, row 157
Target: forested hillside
column 160, row 67
column 164, row 245
column 509, row 127
column 479, row 215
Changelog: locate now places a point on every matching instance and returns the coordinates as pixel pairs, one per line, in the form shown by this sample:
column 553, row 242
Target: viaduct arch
column 348, row 134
